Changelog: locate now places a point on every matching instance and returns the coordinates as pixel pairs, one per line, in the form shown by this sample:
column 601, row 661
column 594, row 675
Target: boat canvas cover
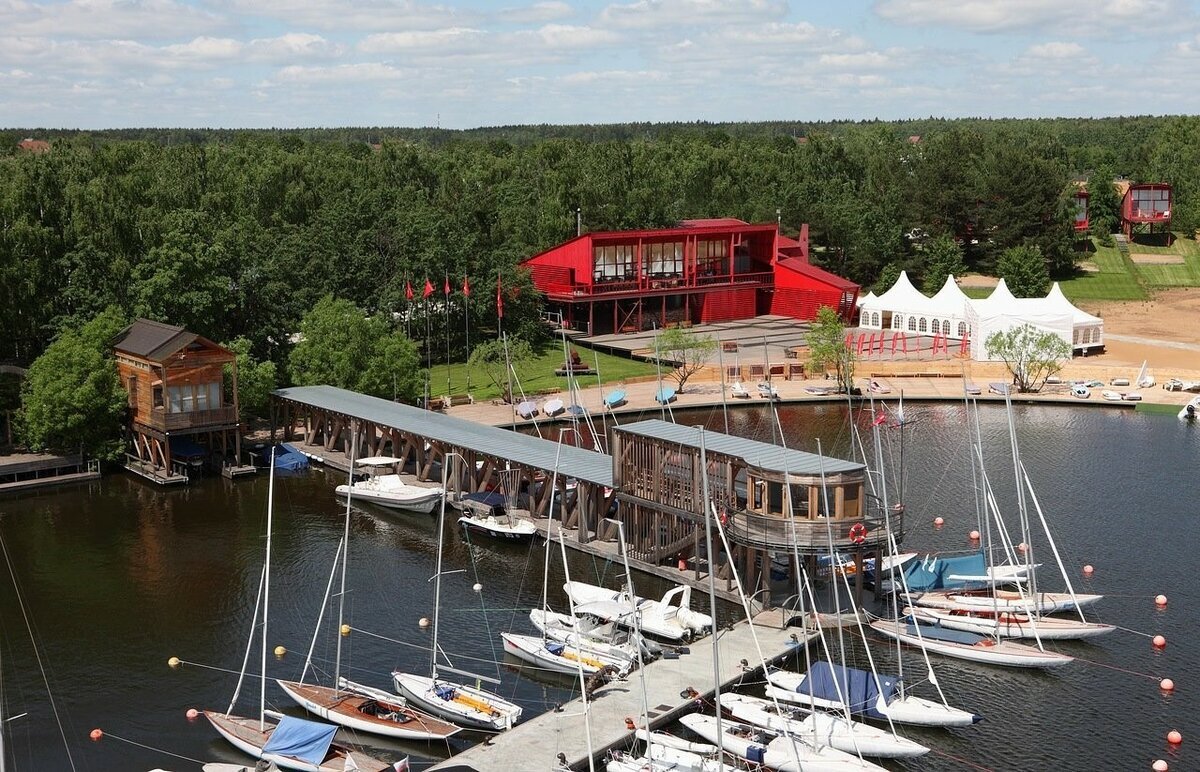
column 488, row 498
column 856, row 688
column 933, row 573
column 296, row 738
column 290, row 459
column 936, row 632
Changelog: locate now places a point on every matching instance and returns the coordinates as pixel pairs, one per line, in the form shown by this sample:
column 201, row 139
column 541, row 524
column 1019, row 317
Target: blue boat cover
column 933, row 573
column 444, row 691
column 756, row 753
column 289, row 459
column 555, row 648
column 939, row 633
column 185, row 448
column 858, row 688
column 307, row 741
column 490, row 498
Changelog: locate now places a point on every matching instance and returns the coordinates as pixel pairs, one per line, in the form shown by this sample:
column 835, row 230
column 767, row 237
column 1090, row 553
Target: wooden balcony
column 615, row 288
column 812, row 536
column 196, row 419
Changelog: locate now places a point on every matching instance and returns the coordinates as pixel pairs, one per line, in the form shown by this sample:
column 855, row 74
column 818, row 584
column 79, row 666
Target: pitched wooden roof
column 152, row 340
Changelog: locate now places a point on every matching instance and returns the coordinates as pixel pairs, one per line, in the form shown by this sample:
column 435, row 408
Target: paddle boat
column 664, row 395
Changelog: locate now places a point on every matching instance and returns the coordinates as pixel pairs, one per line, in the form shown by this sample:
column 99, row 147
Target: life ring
column 723, row 516
column 858, row 533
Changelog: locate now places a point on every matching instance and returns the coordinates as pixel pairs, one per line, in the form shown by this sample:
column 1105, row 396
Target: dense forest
column 240, row 233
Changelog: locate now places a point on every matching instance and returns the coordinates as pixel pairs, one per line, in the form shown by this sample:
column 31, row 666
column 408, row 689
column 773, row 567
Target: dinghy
column 1005, row 600
column 363, row 709
column 664, row 395
column 592, row 630
column 760, row 746
column 738, row 391
column 968, row 646
column 614, row 398
column 767, row 391
column 1010, row 624
column 295, row 743
column 670, row 618
column 553, row 407
column 561, row 657
column 527, row 409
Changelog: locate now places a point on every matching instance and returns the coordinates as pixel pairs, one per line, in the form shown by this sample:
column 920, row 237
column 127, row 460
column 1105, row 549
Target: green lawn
column 538, row 374
column 1185, row 274
column 1115, row 280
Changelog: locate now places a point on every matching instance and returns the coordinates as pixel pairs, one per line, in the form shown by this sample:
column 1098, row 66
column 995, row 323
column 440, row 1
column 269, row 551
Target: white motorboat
column 388, row 490
column 503, row 525
column 1111, row 396
column 1010, row 624
column 561, row 657
column 1190, row 411
column 1005, row 600
column 778, row 752
column 859, row 692
column 1081, row 391
column 969, row 646
column 1131, row 396
column 458, row 703
column 592, row 630
column 835, row 731
column 670, row 618
column 738, row 391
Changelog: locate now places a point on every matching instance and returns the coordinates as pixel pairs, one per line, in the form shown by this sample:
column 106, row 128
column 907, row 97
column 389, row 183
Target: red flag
column 428, row 289
column 446, row 287
column 499, row 299
column 408, row 293
column 466, row 288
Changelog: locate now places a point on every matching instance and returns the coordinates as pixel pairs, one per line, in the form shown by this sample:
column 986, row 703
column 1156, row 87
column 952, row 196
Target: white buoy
column 974, row 535
column 938, row 522
column 477, row 587
column 1159, row 766
column 423, row 622
column 1159, row 642
column 1167, row 685
column 1160, row 601
column 1088, row 570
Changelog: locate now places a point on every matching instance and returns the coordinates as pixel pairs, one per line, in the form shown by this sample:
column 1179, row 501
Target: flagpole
column 428, row 349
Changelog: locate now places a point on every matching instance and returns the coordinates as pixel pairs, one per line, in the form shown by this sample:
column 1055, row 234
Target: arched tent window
column 912, row 323
column 962, row 329
column 897, row 322
column 875, row 319
column 945, row 326
column 923, row 325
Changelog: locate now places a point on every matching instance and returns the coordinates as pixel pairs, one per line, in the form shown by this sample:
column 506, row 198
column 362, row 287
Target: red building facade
column 701, row 271
column 1145, row 206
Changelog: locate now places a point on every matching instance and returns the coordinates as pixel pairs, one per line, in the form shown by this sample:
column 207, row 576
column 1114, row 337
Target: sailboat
column 1144, row 379
column 356, row 706
column 470, row 706
column 292, row 743
column 1010, row 624
column 778, row 751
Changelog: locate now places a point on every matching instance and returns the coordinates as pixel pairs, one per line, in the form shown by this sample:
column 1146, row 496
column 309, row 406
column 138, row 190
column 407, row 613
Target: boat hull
column 1005, row 600
column 785, row 754
column 1011, row 624
column 470, row 707
column 986, row 650
column 244, row 734
column 784, row 685
column 344, row 708
column 520, row 531
column 570, row 661
column 422, row 503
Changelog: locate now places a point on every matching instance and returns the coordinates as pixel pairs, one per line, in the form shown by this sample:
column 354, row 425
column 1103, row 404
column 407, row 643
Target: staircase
column 1122, row 244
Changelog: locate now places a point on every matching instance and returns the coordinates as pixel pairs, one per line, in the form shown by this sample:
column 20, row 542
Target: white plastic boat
column 969, row 646
column 738, row 391
column 667, row 753
column 1190, row 411
column 553, row 407
column 504, row 526
column 458, row 703
column 1010, row 624
column 562, row 657
column 1080, row 391
column 858, row 691
column 1005, row 600
column 1132, row 396
column 591, row 630
column 766, row 390
column 835, row 731
column 1111, row 396
column 761, row 746
column 670, row 618
column 527, row 409
column 388, row 490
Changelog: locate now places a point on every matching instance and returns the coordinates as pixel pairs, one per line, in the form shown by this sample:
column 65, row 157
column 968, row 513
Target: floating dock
column 538, row 742
column 23, row 471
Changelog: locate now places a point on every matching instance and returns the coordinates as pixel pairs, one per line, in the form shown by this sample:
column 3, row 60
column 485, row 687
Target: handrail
column 811, row 535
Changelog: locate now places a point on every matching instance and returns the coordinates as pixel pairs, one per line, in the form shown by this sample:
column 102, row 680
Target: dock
column 538, row 742
column 23, row 471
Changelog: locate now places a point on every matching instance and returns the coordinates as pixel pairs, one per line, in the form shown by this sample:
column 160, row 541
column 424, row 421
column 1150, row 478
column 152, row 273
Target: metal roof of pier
column 577, row 463
column 762, row 455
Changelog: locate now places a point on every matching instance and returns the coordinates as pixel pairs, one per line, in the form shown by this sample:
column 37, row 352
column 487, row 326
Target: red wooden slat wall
column 727, row 305
column 802, row 303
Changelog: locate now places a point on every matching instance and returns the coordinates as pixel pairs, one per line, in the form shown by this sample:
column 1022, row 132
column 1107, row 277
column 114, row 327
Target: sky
column 94, row 64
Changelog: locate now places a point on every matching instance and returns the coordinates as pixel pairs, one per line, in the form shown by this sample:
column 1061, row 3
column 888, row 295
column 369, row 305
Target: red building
column 701, row 271
column 1082, row 223
column 1145, row 206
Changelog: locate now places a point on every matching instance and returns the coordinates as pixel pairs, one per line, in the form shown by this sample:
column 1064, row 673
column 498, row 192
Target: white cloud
column 1084, row 16
column 145, row 19
column 377, row 15
column 537, row 13
column 1056, row 50
column 685, row 13
column 342, row 73
column 450, row 41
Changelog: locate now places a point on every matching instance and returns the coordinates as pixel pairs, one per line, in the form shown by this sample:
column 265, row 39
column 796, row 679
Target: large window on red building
column 712, row 258
column 613, row 263
column 663, row 260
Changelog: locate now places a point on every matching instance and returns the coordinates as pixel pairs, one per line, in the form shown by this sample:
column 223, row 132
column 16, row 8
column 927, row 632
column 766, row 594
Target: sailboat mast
column 337, row 662
column 712, row 585
column 437, row 572
column 262, row 691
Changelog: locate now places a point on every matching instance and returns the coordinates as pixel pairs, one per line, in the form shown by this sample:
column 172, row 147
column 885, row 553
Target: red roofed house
column 34, row 146
column 699, row 271
column 1146, row 205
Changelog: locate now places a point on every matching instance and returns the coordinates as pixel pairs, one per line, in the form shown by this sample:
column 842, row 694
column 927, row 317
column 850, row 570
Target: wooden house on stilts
column 180, row 413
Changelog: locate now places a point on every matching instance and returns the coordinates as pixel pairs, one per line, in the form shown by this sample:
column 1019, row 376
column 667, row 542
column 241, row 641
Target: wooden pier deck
column 23, row 471
column 537, row 742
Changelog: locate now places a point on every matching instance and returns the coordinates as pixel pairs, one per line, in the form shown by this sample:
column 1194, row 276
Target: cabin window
column 663, row 260
column 214, row 396
column 158, row 397
column 176, row 396
column 202, row 397
column 612, row 263
column 189, row 399
column 712, row 258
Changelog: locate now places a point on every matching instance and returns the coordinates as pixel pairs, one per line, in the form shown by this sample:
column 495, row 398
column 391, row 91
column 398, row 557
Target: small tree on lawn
column 827, row 347
column 490, row 359
column 1031, row 355
column 1024, row 271
column 686, row 350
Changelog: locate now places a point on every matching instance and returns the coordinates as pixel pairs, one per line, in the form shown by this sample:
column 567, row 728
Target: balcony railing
column 656, row 283
column 812, row 535
column 168, row 422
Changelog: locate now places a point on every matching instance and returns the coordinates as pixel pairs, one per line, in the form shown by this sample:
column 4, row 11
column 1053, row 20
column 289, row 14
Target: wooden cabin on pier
column 180, row 414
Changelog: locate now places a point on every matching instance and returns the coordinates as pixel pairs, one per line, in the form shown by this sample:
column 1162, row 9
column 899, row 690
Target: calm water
column 119, row 576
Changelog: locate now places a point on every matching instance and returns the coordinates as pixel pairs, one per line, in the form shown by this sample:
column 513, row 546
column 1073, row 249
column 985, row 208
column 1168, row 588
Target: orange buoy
column 1174, row 737
column 1160, row 601
column 938, row 522
column 1159, row 642
column 1159, row 766
column 1167, row 685
column 96, row 734
column 629, row 723
column 1088, row 570
column 192, row 714
column 682, row 563
column 974, row 535
column 1022, row 548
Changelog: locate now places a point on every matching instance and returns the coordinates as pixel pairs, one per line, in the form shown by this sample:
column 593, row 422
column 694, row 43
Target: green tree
column 943, row 257
column 256, row 380
column 686, row 351
column 827, row 347
column 1031, row 354
column 1024, row 271
column 72, row 397
column 492, row 359
column 887, row 277
column 341, row 346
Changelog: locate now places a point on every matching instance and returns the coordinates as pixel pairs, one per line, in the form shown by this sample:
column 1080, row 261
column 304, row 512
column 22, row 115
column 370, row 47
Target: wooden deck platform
column 154, row 475
column 23, row 471
column 536, row 743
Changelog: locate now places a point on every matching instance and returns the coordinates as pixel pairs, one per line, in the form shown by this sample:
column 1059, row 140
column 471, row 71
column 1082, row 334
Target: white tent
column 1087, row 330
column 897, row 309
column 1000, row 312
column 949, row 306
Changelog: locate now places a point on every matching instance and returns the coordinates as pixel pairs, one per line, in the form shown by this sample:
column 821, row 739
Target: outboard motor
column 1191, row 412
